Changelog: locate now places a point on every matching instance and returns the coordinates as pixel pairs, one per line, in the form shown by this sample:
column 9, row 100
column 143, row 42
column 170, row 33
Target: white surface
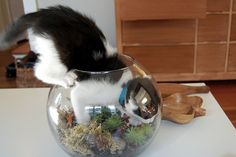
column 102, row 11
column 24, row 131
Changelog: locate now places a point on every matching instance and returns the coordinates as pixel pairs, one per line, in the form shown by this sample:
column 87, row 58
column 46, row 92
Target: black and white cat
column 64, row 40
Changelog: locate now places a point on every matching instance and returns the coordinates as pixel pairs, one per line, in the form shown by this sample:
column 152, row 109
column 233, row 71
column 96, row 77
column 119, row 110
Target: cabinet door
column 163, row 59
column 161, row 9
column 156, row 32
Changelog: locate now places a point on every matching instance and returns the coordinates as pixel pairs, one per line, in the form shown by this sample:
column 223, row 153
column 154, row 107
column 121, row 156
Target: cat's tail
column 16, row 30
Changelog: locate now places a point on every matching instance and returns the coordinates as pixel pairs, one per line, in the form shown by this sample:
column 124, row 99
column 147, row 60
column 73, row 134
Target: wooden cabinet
column 179, row 40
column 159, row 9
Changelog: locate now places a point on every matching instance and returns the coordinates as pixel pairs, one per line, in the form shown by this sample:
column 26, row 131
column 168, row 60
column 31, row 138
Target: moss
column 112, row 124
column 84, row 138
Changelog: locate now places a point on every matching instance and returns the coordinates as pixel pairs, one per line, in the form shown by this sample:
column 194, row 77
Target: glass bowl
column 106, row 114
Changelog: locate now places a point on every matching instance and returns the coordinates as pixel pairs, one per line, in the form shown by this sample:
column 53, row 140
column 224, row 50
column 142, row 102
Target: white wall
column 102, row 11
column 30, row 6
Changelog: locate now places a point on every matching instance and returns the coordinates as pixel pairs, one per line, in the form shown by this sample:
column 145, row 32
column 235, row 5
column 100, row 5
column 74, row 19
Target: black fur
column 76, row 37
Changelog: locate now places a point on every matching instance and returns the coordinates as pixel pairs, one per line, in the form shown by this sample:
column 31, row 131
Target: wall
column 16, row 8
column 101, row 11
column 9, row 10
column 4, row 14
column 30, row 5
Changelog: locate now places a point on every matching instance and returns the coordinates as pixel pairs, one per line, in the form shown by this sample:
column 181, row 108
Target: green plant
column 112, row 123
column 138, row 135
column 134, row 136
column 104, row 115
column 146, row 129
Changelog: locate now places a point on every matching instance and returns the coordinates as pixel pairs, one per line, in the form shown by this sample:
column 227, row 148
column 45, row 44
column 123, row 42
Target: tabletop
column 24, row 130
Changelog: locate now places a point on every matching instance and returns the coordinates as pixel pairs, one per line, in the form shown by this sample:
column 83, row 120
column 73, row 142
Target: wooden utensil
column 178, row 106
column 181, row 108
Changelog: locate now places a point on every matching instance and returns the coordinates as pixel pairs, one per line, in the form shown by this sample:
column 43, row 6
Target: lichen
column 103, row 139
column 84, row 138
column 117, row 146
column 75, row 140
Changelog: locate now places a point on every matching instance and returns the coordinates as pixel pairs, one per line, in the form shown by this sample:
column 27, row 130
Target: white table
column 24, row 131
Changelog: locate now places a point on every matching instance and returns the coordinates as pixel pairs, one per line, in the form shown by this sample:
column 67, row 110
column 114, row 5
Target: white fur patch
column 109, row 49
column 135, row 119
column 97, row 55
column 49, row 68
column 70, row 79
column 131, row 106
column 93, row 92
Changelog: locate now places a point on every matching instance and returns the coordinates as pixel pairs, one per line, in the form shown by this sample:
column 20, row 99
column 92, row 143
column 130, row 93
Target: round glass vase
column 106, row 114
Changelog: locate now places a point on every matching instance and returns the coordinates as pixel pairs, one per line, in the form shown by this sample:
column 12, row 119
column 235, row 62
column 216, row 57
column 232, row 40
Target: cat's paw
column 69, row 80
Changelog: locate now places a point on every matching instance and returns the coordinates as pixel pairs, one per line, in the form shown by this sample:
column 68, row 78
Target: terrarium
column 107, row 113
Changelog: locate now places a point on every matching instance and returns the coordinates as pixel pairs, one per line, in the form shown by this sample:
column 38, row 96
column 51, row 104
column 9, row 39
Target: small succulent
column 138, row 135
column 112, row 124
column 104, row 115
column 134, row 136
column 147, row 130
